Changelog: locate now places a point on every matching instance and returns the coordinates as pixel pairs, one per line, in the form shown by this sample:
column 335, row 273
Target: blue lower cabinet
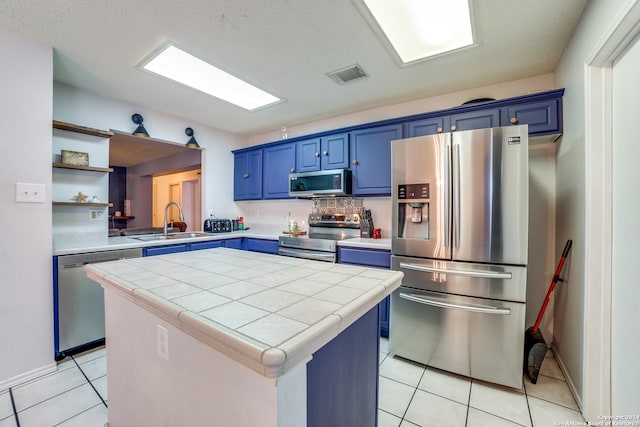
column 238, row 243
column 367, row 257
column 168, row 249
column 385, row 315
column 235, row 243
column 370, row 258
column 264, row 246
column 342, row 377
column 207, row 245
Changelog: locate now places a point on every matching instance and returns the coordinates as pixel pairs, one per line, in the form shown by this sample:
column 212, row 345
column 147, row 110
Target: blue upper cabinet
column 371, row 159
column 327, row 152
column 308, row 155
column 247, row 175
column 335, row 151
column 279, row 162
column 543, row 117
column 481, row 119
column 428, row 126
column 366, row 148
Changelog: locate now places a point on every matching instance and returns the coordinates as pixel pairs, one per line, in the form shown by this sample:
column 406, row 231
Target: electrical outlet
column 163, row 342
column 29, row 193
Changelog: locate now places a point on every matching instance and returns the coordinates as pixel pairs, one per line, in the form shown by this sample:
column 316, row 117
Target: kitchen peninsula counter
column 72, row 244
column 263, row 329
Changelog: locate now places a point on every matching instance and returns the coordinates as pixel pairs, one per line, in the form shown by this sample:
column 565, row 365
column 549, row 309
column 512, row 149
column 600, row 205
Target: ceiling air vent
column 348, row 74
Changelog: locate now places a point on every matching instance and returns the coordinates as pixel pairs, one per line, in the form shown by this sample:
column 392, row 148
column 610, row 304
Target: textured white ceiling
column 285, row 47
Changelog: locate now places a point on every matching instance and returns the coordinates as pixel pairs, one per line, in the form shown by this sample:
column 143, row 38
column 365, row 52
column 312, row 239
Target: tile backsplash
column 275, row 213
column 337, row 205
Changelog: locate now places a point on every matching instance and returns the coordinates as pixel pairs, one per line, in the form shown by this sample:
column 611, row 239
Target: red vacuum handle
column 565, row 253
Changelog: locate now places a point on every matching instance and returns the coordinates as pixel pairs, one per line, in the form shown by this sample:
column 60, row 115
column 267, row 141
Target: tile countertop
column 63, row 245
column 267, row 312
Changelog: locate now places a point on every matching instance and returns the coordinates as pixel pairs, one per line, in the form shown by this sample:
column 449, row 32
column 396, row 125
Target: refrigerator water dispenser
column 413, row 211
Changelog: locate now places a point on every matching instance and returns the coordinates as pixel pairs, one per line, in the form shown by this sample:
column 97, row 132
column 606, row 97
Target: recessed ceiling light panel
column 420, row 29
column 182, row 67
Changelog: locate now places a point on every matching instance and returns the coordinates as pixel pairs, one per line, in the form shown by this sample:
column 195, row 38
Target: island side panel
column 197, row 386
column 342, row 377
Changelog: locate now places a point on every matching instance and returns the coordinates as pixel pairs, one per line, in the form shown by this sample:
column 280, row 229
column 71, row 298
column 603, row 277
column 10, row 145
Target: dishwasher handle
column 437, row 302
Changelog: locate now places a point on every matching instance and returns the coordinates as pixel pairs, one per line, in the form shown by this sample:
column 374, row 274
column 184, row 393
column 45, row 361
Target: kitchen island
column 228, row 337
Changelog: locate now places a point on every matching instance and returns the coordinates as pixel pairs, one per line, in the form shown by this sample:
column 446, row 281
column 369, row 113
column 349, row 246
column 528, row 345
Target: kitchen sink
column 170, row 236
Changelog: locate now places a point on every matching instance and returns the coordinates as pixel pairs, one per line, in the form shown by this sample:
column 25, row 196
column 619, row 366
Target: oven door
column 475, row 337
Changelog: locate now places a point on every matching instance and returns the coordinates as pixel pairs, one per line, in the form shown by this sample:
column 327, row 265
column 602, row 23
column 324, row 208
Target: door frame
column 599, row 217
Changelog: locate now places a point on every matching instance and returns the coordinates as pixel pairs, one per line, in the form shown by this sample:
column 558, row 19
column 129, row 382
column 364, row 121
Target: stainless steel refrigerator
column 460, row 235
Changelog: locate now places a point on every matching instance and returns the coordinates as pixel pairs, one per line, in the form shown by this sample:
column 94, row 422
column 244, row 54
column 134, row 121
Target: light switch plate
column 30, row 193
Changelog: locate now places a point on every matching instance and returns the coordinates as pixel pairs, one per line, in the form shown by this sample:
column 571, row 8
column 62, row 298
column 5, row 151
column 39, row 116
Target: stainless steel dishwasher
column 79, row 302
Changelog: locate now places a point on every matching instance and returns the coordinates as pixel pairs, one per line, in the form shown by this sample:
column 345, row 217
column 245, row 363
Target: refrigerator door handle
column 436, row 302
column 456, row 195
column 470, row 273
column 447, row 196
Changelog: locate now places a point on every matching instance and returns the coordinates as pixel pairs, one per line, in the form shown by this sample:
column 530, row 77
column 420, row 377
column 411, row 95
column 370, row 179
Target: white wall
column 625, row 338
column 542, row 223
column 575, row 205
column 26, row 315
column 88, row 109
column 450, row 100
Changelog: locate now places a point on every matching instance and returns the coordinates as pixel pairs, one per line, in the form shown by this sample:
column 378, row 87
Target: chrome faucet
column 166, row 209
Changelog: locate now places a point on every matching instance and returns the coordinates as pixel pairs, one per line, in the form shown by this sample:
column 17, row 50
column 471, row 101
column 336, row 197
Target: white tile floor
column 410, row 395
column 414, row 395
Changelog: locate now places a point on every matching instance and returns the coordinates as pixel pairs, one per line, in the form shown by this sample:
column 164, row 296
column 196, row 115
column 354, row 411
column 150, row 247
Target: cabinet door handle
column 439, row 130
column 246, row 175
column 454, row 127
column 354, row 161
column 326, row 153
column 514, row 120
column 317, row 154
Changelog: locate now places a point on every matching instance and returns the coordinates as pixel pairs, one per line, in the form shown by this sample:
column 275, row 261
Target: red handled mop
column 535, row 347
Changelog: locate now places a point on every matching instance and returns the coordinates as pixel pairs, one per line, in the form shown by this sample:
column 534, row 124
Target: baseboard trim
column 27, row 376
column 570, row 384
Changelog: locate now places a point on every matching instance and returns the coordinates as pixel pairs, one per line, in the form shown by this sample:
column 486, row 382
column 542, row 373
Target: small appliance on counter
column 214, row 225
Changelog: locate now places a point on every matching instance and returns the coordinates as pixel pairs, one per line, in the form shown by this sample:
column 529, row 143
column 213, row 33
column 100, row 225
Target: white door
column 191, row 204
column 625, row 292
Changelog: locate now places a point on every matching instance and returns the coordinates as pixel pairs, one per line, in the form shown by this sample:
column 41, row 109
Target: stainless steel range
column 325, row 229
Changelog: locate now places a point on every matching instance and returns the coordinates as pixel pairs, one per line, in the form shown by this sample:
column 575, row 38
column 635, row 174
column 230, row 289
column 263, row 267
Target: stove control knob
column 348, row 218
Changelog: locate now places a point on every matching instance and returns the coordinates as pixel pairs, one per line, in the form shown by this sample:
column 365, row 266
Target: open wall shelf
column 83, row 168
column 101, row 205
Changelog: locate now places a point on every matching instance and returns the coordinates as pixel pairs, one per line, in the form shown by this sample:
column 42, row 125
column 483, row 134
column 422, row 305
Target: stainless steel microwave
column 334, row 182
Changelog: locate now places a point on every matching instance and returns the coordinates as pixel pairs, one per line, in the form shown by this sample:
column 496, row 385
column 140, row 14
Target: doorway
column 183, row 188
